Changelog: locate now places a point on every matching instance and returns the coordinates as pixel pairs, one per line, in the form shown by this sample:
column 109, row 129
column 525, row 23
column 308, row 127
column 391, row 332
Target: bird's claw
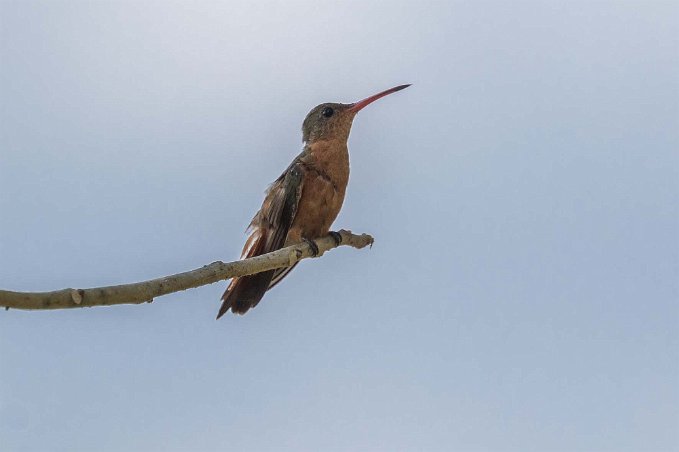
column 337, row 237
column 313, row 246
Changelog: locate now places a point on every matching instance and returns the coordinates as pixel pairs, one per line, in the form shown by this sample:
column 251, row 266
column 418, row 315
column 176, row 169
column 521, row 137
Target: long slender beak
column 355, row 108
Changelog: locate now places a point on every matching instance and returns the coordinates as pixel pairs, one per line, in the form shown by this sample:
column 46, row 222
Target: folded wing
column 270, row 228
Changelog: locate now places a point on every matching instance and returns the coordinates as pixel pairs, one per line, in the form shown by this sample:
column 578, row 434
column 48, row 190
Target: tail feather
column 244, row 292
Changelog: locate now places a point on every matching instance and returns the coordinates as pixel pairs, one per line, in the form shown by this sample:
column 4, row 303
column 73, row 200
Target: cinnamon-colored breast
column 326, row 174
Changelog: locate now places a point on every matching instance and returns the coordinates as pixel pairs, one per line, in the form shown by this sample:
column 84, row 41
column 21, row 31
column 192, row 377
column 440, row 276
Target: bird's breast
column 326, row 174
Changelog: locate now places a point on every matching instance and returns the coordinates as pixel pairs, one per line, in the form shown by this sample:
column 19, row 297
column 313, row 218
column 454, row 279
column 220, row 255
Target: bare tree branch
column 146, row 291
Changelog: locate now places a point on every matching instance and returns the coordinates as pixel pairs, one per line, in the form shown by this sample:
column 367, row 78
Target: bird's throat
column 331, row 158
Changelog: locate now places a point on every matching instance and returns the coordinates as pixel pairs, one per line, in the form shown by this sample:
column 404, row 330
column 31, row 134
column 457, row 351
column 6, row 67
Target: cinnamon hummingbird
column 303, row 202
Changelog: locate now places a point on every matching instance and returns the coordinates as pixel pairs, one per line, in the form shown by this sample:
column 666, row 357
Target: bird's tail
column 244, row 292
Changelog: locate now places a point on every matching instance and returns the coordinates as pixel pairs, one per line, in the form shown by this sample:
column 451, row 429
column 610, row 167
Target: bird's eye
column 327, row 112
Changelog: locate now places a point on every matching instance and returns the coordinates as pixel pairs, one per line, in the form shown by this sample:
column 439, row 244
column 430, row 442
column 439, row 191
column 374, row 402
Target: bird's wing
column 269, row 230
column 279, row 274
column 279, row 212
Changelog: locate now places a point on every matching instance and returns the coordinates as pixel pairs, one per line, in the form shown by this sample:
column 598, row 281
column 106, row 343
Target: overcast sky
column 523, row 290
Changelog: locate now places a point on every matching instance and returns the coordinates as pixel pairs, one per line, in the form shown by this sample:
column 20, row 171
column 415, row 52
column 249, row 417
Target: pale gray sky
column 522, row 293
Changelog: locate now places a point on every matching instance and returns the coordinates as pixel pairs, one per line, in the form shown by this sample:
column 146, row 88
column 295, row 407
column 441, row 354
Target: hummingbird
column 303, row 202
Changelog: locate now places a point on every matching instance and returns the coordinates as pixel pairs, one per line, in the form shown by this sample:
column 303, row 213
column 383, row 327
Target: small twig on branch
column 146, row 291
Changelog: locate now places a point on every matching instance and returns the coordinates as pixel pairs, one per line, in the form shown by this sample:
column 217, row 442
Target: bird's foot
column 313, row 246
column 337, row 237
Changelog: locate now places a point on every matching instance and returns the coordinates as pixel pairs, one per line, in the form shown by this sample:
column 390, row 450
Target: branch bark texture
column 146, row 291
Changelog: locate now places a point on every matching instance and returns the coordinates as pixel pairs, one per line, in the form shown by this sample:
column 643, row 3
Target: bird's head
column 332, row 121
